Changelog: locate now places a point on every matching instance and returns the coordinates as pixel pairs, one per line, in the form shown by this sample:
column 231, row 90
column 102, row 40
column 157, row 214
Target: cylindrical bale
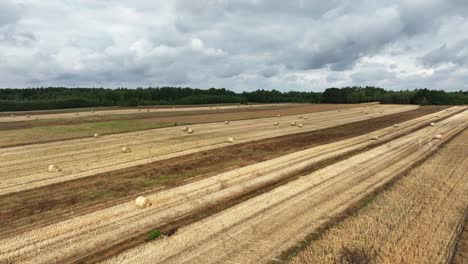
column 396, row 125
column 433, row 124
column 278, row 115
column 226, row 122
column 293, row 123
column 231, row 140
column 300, row 125
column 96, row 135
column 375, row 138
column 275, row 123
column 190, row 131
column 142, row 202
column 185, row 128
column 53, row 168
column 438, row 136
column 126, row 149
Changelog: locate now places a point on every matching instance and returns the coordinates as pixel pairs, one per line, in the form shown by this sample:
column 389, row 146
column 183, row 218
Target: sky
column 241, row 45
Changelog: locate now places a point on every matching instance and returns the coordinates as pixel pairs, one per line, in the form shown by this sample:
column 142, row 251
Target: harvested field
column 24, row 167
column 19, row 116
column 78, row 196
column 416, row 221
column 294, row 208
column 254, row 231
column 20, row 133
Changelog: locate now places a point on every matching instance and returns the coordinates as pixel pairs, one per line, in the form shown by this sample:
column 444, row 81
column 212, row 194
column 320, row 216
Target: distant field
column 68, row 127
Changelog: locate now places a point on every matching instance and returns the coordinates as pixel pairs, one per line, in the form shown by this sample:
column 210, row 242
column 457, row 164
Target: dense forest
column 59, row 97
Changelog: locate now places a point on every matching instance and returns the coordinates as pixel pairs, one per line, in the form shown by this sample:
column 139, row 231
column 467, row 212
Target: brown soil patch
column 41, row 206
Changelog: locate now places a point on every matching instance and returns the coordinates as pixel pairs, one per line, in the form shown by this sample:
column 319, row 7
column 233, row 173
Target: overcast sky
column 240, row 45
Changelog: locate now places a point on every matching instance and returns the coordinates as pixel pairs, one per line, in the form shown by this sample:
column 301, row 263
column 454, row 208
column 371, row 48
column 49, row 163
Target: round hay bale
column 96, row 135
column 433, row 124
column 185, row 128
column 126, row 149
column 190, row 131
column 278, row 115
column 231, row 140
column 293, row 123
column 396, row 125
column 300, row 117
column 226, row 122
column 54, row 168
column 77, row 113
column 142, row 202
column 300, row 125
column 275, row 123
column 375, row 138
column 438, row 136
column 306, row 117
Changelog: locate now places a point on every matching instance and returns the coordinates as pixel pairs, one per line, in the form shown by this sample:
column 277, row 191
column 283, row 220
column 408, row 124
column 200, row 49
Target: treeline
column 349, row 95
column 59, row 97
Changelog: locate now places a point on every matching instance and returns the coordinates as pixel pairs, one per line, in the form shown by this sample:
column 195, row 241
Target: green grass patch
column 103, row 127
column 153, row 234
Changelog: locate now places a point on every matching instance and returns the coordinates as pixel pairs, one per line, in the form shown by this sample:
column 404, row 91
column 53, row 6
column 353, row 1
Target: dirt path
column 97, row 230
column 416, row 221
column 260, row 228
column 25, row 167
column 30, row 209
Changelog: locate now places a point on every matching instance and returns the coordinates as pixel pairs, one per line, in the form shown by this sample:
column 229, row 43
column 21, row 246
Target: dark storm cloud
column 244, row 44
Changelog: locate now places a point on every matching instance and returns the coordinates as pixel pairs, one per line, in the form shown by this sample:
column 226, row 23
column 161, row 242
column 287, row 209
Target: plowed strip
column 30, row 209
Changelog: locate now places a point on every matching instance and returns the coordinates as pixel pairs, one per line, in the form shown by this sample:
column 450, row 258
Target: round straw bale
column 293, row 123
column 142, row 202
column 375, row 138
column 96, row 135
column 190, row 131
column 278, row 115
column 433, row 124
column 185, row 129
column 306, row 117
column 300, row 125
column 54, row 168
column 226, row 122
column 275, row 123
column 396, row 125
column 77, row 113
column 126, row 149
column 231, row 140
column 438, row 136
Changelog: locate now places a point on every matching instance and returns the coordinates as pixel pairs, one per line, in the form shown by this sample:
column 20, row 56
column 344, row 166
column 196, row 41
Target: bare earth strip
column 22, row 211
column 413, row 222
column 262, row 227
column 25, row 167
column 332, row 188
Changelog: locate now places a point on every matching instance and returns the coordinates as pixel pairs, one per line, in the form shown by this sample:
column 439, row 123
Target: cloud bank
column 243, row 45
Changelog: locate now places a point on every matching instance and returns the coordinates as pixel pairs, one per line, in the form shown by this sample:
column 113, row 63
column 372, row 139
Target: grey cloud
column 243, row 44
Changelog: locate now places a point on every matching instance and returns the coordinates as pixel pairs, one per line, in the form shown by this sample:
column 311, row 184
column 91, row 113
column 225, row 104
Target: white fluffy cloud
column 243, row 45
